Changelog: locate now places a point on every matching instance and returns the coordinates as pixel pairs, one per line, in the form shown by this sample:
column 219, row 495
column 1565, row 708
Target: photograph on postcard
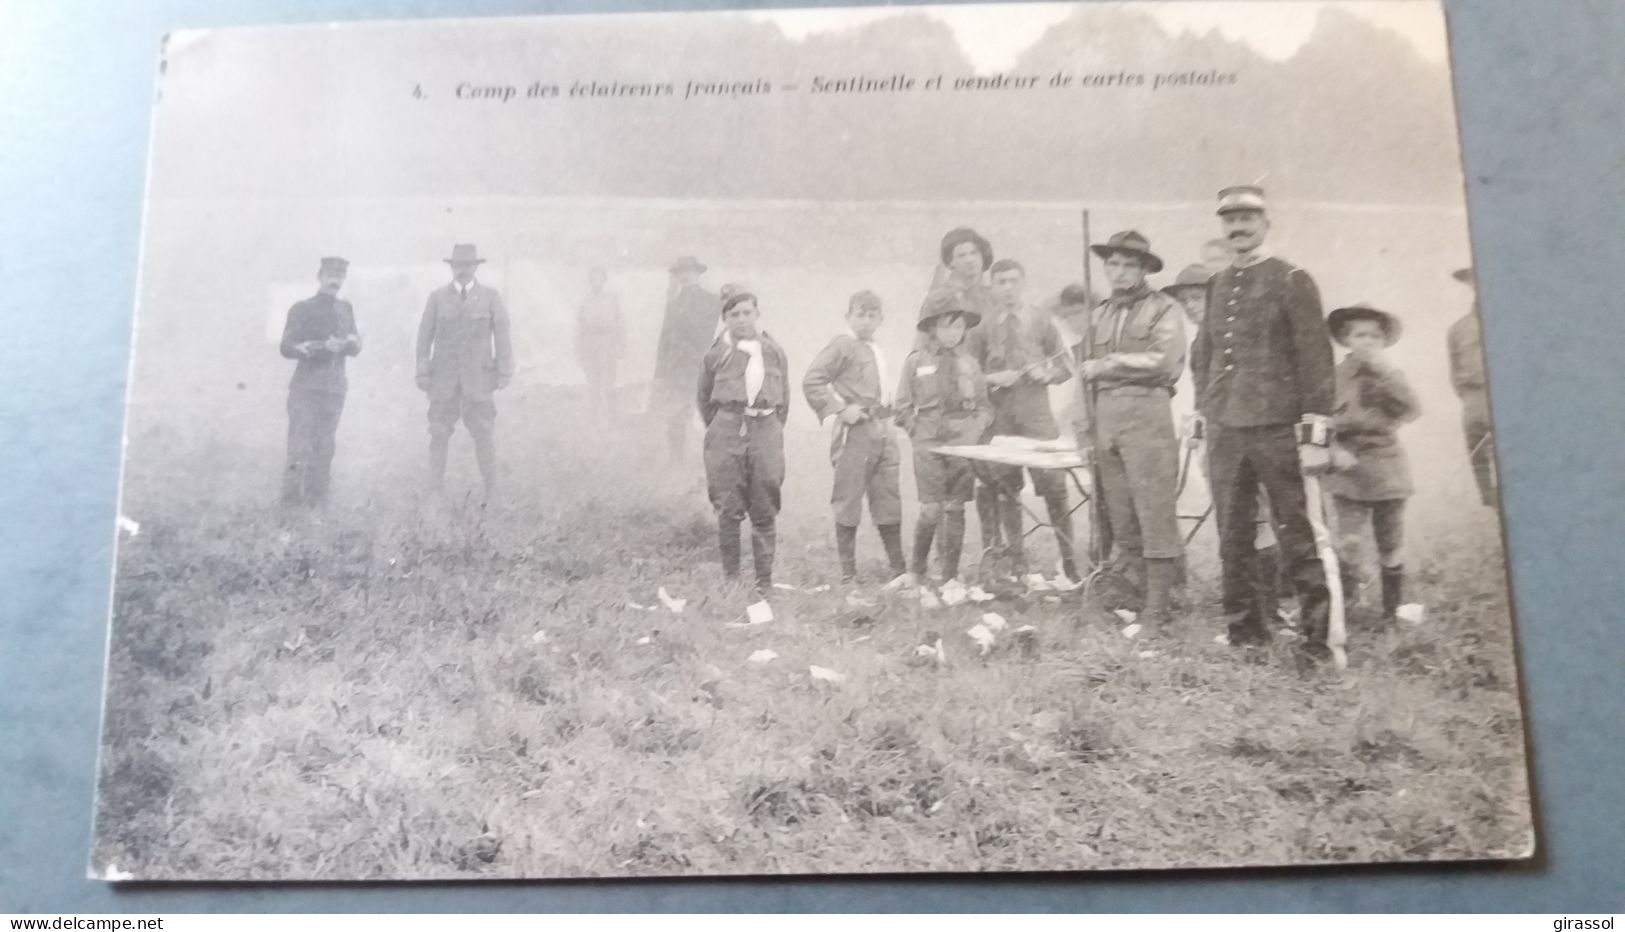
column 1018, row 437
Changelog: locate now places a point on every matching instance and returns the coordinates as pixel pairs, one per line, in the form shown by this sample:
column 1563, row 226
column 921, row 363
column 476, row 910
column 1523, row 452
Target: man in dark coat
column 464, row 355
column 1263, row 371
column 686, row 333
column 321, row 334
column 1467, row 377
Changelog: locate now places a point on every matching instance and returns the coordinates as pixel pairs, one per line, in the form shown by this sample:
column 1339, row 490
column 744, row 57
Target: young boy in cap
column 942, row 401
column 1373, row 399
column 320, row 333
column 744, row 398
column 848, row 382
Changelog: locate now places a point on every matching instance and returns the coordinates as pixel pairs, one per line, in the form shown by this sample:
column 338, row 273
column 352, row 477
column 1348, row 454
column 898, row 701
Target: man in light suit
column 464, row 355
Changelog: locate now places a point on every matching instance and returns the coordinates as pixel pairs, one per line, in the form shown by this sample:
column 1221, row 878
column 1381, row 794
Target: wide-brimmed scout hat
column 1131, row 242
column 942, row 302
column 465, row 252
column 1191, row 276
column 1343, row 316
column 1241, row 197
column 1464, row 275
column 685, row 263
column 957, row 237
column 334, row 264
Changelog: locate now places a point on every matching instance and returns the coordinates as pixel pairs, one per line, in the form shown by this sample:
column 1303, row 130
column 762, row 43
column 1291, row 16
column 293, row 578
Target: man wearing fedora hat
column 1466, row 344
column 1135, row 359
column 1262, row 366
column 1372, row 479
column 320, row 333
column 686, row 333
column 464, row 355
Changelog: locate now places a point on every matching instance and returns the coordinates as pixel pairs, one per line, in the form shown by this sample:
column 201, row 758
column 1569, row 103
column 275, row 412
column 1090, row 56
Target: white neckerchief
column 880, row 366
column 755, row 370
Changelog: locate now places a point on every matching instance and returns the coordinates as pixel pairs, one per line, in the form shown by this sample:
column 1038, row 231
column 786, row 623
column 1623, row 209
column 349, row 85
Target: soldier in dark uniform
column 321, row 334
column 686, row 333
column 1263, row 371
column 464, row 355
column 1466, row 344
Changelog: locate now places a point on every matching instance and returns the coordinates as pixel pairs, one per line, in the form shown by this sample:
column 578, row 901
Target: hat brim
column 1392, row 329
column 1153, row 263
column 1176, row 288
column 463, row 261
column 689, row 266
column 930, row 320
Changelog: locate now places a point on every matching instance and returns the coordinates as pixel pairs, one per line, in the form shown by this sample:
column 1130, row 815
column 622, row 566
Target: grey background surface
column 1540, row 89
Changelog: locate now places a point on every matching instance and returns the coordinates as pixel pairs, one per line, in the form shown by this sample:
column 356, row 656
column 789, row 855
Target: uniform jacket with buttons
column 722, row 378
column 1262, row 355
column 1372, row 402
column 942, row 397
column 315, row 319
column 844, row 373
column 464, row 342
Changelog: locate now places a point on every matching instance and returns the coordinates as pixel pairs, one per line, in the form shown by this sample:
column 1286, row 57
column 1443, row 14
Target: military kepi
column 1241, row 197
column 334, row 264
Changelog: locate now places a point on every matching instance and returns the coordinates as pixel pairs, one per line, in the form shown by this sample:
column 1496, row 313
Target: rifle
column 1100, row 532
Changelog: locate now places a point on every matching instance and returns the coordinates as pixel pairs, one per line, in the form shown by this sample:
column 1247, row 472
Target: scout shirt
column 1139, row 342
column 848, row 371
column 1023, row 339
column 464, row 341
column 315, row 319
column 722, row 378
column 1372, row 402
column 942, row 397
column 1262, row 355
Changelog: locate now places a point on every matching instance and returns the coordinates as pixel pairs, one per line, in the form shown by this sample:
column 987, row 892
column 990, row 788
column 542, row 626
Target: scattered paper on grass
column 825, row 674
column 540, row 637
column 978, row 594
column 644, row 641
column 763, row 656
column 1222, row 639
column 983, row 638
column 641, row 607
column 114, row 874
column 859, row 602
column 128, row 525
column 994, row 622
column 1289, row 632
column 785, row 586
column 675, row 605
column 1125, row 615
column 929, row 599
column 822, row 588
column 1132, row 631
column 1412, row 612
column 1036, row 582
column 953, row 592
column 1052, row 598
column 1148, row 654
column 759, row 613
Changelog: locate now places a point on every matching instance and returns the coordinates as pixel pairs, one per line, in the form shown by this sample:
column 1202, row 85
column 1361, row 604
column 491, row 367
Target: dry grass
column 418, row 690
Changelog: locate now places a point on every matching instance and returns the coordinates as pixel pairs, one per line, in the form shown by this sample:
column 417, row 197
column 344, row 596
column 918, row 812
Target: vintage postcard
column 978, row 438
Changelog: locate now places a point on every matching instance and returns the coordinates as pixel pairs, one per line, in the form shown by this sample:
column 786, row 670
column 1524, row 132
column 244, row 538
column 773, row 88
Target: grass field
column 410, row 688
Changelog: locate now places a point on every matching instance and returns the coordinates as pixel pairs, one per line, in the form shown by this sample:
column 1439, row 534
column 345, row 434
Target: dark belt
column 1129, row 388
column 739, row 407
column 879, row 412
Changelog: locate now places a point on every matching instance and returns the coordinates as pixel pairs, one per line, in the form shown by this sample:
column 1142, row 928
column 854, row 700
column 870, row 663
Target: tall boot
column 953, row 542
column 891, row 537
column 437, row 462
column 1393, row 590
column 1061, row 520
column 1010, row 513
column 924, row 533
column 1159, row 582
column 987, row 516
column 485, row 453
column 1349, row 575
column 728, row 541
column 764, row 540
column 846, row 544
column 1267, row 589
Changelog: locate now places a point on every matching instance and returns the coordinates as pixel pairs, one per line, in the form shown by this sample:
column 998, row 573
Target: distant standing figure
column 1373, row 400
column 1467, row 376
column 600, row 341
column 686, row 333
column 321, row 334
column 464, row 355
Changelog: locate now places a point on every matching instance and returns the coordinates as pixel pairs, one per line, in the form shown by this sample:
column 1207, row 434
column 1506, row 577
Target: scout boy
column 942, row 401
column 1466, row 344
column 1021, row 354
column 464, row 356
column 1136, row 357
column 744, row 398
column 1373, row 400
column 847, row 382
column 320, row 333
column 1262, row 365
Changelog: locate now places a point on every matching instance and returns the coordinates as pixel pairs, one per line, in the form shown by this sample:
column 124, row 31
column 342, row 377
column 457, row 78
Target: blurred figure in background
column 686, row 332
column 321, row 334
column 1467, row 376
column 600, row 342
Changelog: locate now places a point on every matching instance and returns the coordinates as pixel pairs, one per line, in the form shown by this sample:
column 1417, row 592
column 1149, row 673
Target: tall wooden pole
column 1100, row 540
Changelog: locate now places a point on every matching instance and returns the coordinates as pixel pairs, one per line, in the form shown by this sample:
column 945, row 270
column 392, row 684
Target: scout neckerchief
column 880, row 365
column 755, row 370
